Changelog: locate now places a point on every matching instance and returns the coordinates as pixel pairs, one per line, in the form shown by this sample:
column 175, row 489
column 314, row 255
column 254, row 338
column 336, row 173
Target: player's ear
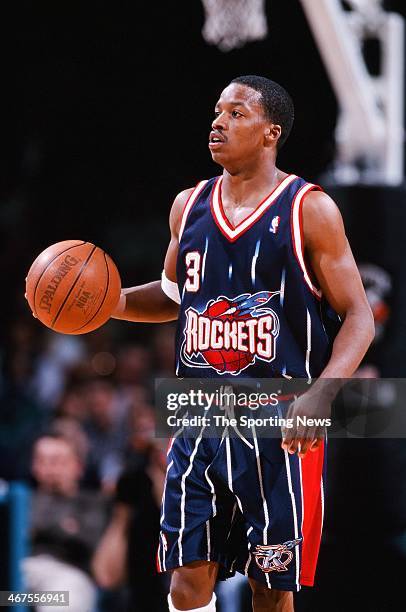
column 272, row 134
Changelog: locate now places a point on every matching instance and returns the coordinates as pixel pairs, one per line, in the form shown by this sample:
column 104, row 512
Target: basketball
column 73, row 287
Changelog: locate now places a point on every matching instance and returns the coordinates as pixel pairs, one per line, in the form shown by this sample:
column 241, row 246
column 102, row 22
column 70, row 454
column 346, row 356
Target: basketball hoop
column 230, row 24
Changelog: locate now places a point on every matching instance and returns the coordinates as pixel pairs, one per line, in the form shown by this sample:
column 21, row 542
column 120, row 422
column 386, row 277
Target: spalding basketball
column 73, row 287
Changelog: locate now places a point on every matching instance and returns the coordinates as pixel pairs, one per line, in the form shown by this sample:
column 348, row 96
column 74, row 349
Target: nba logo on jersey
column 231, row 333
column 274, row 224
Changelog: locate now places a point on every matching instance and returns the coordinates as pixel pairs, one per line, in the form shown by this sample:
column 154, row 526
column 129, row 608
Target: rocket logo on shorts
column 275, row 558
column 229, row 334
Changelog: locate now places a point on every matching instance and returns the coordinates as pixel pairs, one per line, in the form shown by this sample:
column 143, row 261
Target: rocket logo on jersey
column 230, row 334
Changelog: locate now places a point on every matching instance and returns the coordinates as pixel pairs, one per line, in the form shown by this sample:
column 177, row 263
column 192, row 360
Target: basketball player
column 258, row 273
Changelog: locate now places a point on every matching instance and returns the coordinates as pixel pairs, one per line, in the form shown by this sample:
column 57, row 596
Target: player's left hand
column 308, row 413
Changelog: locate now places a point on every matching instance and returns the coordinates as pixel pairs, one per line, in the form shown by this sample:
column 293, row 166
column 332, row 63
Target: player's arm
column 150, row 303
column 332, row 262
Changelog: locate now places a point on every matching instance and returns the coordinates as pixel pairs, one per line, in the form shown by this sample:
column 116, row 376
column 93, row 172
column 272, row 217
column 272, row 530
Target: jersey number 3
column 193, row 260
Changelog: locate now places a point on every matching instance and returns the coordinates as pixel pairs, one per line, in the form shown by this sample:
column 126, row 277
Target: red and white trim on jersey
column 190, row 201
column 312, row 520
column 224, row 225
column 297, row 234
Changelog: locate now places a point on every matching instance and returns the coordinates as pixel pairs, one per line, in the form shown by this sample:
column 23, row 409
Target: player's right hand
column 313, row 407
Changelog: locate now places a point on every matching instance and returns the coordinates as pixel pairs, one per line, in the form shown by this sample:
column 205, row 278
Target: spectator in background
column 60, row 354
column 20, row 352
column 73, row 405
column 66, row 522
column 141, row 421
column 127, row 551
column 133, row 369
column 106, row 427
column 133, row 365
column 21, row 416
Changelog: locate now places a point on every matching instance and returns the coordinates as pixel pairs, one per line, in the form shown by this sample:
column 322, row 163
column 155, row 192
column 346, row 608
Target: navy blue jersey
column 249, row 304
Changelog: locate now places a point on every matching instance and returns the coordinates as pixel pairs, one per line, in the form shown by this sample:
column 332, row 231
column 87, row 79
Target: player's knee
column 190, row 589
column 184, row 596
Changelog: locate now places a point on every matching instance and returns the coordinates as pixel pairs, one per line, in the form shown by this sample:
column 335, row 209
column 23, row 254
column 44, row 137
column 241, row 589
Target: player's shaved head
column 275, row 100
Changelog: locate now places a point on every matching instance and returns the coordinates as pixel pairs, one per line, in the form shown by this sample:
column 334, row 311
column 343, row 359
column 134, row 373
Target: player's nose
column 219, row 122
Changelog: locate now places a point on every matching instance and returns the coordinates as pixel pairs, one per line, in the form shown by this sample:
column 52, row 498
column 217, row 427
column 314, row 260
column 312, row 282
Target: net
column 230, row 24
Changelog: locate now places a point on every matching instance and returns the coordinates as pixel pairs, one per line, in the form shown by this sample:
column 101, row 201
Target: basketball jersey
column 249, row 305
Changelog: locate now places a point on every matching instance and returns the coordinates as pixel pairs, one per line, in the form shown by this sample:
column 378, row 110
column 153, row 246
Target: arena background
column 106, row 117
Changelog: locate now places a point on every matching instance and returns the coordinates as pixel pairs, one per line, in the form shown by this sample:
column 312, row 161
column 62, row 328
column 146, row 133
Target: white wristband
column 170, row 288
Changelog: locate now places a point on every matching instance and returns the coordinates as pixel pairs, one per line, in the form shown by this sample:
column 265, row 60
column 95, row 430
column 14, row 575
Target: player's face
column 239, row 128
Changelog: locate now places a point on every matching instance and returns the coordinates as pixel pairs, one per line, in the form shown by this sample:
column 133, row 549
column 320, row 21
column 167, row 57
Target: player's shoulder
column 321, row 217
column 179, row 205
column 181, row 199
column 319, row 206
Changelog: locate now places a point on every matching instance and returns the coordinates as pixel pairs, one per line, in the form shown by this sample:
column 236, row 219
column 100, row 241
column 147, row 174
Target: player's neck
column 250, row 184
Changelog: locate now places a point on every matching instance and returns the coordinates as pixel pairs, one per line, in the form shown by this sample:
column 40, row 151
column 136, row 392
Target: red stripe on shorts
column 157, row 561
column 312, row 471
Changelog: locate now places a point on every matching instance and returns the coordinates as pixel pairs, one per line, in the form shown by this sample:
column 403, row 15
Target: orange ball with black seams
column 73, row 287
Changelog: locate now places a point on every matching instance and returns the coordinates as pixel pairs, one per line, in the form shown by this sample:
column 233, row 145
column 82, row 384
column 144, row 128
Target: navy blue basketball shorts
column 246, row 504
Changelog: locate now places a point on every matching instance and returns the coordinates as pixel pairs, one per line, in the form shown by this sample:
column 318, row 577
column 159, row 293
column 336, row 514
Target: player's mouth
column 216, row 140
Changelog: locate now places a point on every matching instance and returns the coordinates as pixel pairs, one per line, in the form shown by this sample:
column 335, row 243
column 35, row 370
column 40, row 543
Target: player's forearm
column 351, row 344
column 146, row 304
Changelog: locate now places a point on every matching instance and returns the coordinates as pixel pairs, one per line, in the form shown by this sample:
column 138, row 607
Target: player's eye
column 216, row 113
column 236, row 113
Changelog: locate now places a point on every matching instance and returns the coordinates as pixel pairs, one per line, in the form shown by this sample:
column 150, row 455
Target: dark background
column 106, row 114
column 108, row 119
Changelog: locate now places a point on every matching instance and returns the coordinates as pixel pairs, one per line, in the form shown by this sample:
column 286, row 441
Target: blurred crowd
column 78, row 426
